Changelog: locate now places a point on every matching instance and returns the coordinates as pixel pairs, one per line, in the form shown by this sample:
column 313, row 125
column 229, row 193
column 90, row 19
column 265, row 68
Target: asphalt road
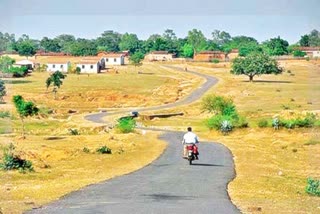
column 168, row 185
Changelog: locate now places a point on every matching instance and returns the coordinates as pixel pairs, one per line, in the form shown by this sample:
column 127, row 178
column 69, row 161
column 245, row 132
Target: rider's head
column 189, row 129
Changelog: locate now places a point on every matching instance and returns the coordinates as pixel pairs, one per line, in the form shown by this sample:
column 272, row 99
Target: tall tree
column 109, row 41
column 171, row 41
column 129, row 42
column 65, row 41
column 83, row 47
column 136, row 58
column 25, row 46
column 6, row 41
column 197, row 40
column 314, row 38
column 56, row 80
column 187, row 50
column 50, row 45
column 305, row 41
column 220, row 37
column 255, row 64
column 24, row 109
column 276, row 46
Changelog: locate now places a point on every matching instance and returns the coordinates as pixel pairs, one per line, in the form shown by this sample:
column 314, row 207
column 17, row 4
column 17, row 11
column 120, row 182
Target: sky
column 289, row 19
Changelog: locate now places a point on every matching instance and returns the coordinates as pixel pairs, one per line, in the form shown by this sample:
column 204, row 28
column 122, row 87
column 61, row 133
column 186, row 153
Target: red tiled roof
column 316, row 48
column 159, row 52
column 210, row 52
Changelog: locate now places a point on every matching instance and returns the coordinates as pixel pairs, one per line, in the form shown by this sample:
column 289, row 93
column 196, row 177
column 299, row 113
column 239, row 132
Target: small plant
column 276, row 123
column 74, row 131
column 226, row 127
column 263, row 123
column 104, row 150
column 126, row 125
column 78, row 70
column 313, row 187
column 312, row 142
column 12, row 161
column 85, row 150
column 216, row 61
column 4, row 114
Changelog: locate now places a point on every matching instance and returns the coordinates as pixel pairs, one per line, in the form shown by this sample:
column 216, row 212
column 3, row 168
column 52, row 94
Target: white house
column 311, row 51
column 90, row 65
column 113, row 59
column 58, row 65
column 27, row 63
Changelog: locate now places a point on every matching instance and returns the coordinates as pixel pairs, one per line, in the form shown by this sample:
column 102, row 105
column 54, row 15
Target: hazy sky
column 262, row 20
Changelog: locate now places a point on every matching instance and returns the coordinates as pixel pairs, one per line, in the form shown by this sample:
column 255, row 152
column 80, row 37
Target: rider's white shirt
column 190, row 137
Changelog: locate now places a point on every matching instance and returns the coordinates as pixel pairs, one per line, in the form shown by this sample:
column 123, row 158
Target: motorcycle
column 192, row 151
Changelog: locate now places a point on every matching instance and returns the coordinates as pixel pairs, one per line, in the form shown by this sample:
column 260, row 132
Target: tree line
column 194, row 42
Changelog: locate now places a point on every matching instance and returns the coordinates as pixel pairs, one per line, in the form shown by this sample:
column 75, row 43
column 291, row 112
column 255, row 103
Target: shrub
column 104, row 150
column 313, row 187
column 241, row 122
column 86, row 150
column 215, row 61
column 276, row 123
column 299, row 53
column 74, row 131
column 12, row 161
column 263, row 123
column 226, row 127
column 215, row 122
column 78, row 70
column 4, row 114
column 222, row 105
column 126, row 125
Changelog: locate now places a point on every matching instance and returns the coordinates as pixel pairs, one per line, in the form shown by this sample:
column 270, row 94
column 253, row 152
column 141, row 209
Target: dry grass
column 61, row 166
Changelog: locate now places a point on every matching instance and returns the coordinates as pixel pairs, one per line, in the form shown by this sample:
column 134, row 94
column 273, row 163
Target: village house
column 159, row 56
column 90, row 65
column 234, row 53
column 58, row 65
column 310, row 51
column 112, row 59
column 26, row 63
column 208, row 56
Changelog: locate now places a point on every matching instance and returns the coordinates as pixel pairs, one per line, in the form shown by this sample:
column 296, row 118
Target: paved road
column 168, row 185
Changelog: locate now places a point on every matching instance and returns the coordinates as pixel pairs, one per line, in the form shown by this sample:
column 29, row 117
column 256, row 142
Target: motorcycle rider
column 190, row 138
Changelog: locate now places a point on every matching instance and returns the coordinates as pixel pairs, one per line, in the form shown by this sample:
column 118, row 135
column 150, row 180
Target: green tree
column 129, row 42
column 5, row 63
column 197, row 40
column 187, row 50
column 245, row 45
column 305, row 41
column 109, row 41
column 298, row 53
column 2, row 90
column 24, row 109
column 6, row 41
column 136, row 58
column 50, row 45
column 171, row 41
column 314, row 38
column 220, row 37
column 255, row 64
column 56, row 80
column 276, row 47
column 65, row 41
column 26, row 48
column 83, row 47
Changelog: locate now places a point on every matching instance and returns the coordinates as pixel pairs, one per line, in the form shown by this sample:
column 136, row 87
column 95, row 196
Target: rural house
column 310, row 51
column 27, row 63
column 159, row 56
column 208, row 56
column 58, row 65
column 90, row 65
column 234, row 53
column 112, row 58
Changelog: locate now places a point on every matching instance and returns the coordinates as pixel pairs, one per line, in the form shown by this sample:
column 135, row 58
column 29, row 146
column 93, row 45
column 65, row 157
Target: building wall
column 89, row 68
column 58, row 67
column 159, row 57
column 209, row 57
column 114, row 60
column 232, row 56
column 316, row 54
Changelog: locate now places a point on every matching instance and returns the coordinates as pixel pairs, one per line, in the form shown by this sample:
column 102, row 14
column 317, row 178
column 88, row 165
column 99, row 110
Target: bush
column 313, row 187
column 215, row 61
column 219, row 104
column 263, row 123
column 241, row 122
column 86, row 150
column 308, row 121
column 14, row 162
column 126, row 125
column 74, row 131
column 226, row 127
column 78, row 70
column 104, row 150
column 4, row 114
column 298, row 53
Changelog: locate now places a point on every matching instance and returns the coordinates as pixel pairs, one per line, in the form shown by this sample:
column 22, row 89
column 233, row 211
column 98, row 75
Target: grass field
column 271, row 166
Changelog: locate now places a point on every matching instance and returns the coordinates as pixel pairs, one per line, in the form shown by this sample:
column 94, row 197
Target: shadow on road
column 205, row 164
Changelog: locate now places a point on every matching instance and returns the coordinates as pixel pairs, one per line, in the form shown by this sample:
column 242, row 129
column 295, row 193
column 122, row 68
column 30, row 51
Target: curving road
column 168, row 185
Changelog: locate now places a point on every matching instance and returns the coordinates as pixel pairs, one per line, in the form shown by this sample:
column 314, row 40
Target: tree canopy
column 276, row 46
column 255, row 64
